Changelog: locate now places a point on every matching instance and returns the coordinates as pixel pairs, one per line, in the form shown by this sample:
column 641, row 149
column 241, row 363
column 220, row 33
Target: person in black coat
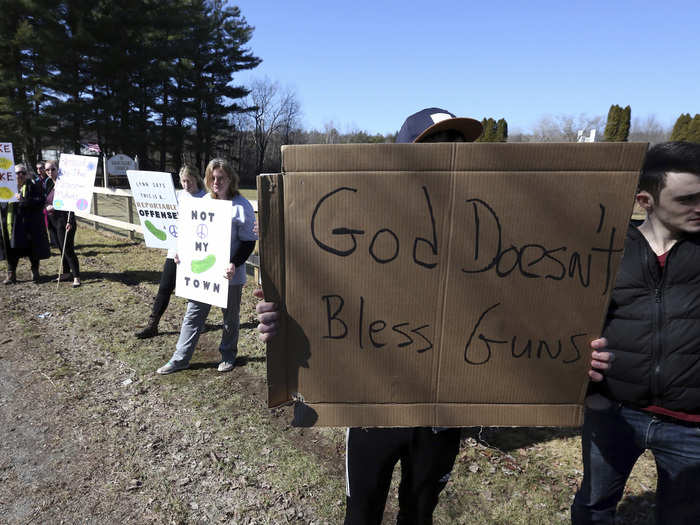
column 23, row 224
column 645, row 369
column 62, row 225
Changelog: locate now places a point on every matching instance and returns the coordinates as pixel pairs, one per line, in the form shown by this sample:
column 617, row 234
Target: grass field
column 198, row 446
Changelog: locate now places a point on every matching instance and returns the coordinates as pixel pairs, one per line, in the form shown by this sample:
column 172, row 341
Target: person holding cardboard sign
column 222, row 183
column 192, row 186
column 646, row 368
column 427, row 455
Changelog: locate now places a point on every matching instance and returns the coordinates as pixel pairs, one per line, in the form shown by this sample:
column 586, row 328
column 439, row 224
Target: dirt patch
column 89, row 436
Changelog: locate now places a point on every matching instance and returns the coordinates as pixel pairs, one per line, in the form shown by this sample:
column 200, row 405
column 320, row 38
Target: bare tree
column 648, row 129
column 331, row 134
column 273, row 111
column 564, row 128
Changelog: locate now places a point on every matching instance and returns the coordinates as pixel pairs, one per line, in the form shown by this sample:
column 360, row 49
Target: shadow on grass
column 207, row 328
column 107, row 246
column 243, row 360
column 507, row 439
column 129, row 278
column 203, row 366
column 240, row 361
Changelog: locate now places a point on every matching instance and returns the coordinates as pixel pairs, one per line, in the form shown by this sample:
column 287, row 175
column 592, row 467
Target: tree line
column 153, row 78
column 157, row 79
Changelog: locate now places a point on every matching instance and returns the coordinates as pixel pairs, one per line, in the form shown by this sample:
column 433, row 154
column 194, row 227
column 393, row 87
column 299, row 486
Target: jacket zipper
column 657, row 350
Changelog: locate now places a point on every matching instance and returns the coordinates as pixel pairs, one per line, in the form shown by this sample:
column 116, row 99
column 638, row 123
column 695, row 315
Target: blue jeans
column 612, row 441
column 193, row 323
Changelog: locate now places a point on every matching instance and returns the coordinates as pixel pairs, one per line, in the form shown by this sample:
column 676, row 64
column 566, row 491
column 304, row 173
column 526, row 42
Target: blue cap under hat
column 433, row 120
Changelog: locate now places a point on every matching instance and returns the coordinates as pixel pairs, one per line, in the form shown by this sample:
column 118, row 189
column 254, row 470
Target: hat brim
column 470, row 128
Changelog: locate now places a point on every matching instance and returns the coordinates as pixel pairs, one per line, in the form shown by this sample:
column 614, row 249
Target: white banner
column 8, row 179
column 204, row 248
column 154, row 197
column 75, row 183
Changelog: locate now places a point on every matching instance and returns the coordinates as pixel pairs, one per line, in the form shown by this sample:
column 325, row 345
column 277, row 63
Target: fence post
column 130, row 207
column 94, row 209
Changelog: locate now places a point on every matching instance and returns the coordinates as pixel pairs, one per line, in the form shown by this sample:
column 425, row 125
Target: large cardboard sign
column 441, row 284
column 204, row 248
column 8, row 180
column 75, row 183
column 154, row 196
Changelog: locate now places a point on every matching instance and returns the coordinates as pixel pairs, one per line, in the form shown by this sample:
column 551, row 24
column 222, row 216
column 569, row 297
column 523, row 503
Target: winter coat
column 653, row 327
column 26, row 235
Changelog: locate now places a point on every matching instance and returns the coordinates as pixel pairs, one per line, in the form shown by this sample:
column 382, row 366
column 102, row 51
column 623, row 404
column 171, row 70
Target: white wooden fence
column 96, row 219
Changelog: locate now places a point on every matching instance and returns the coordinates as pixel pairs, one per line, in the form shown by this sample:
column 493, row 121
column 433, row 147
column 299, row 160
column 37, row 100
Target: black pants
column 13, row 259
column 70, row 259
column 426, row 458
column 165, row 289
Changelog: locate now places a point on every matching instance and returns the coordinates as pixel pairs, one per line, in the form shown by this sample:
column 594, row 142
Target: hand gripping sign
column 204, row 249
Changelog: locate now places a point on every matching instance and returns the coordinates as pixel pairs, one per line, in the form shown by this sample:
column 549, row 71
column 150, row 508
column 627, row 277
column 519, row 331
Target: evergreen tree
column 501, row 130
column 623, row 129
column 680, row 128
column 22, row 70
column 490, row 130
column 693, row 134
column 612, row 126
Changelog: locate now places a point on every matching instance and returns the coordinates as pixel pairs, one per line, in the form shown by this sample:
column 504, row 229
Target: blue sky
column 367, row 65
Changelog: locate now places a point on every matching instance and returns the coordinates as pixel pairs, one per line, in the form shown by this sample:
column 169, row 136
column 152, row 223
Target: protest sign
column 75, row 183
column 8, row 180
column 441, row 284
column 204, row 248
column 154, row 197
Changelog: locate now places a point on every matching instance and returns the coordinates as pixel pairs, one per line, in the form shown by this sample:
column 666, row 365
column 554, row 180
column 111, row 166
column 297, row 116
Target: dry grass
column 198, row 446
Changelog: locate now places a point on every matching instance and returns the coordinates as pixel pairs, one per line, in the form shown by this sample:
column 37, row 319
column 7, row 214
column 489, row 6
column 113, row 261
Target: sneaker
column 225, row 366
column 170, row 367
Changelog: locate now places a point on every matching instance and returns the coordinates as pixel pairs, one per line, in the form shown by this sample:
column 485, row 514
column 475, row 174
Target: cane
column 63, row 253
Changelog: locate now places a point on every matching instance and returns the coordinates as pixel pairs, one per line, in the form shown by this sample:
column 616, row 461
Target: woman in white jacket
column 222, row 183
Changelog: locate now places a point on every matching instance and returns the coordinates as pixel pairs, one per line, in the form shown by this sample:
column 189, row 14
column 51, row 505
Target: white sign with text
column 204, row 248
column 75, row 183
column 156, row 203
column 8, row 179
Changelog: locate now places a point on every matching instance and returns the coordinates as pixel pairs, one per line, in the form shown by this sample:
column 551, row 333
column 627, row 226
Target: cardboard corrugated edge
column 623, row 157
column 272, row 253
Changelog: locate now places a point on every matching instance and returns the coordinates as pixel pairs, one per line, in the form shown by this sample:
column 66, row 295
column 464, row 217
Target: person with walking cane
column 62, row 225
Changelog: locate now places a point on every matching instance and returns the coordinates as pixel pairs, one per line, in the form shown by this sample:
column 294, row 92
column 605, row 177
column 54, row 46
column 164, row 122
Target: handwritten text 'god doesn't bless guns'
column 487, row 254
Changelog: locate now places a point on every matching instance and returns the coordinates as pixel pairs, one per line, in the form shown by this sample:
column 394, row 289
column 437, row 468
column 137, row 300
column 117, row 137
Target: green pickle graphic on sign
column 203, row 264
column 160, row 234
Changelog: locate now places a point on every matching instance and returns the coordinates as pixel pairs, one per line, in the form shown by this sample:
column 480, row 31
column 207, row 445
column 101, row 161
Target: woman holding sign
column 222, row 183
column 62, row 226
column 192, row 186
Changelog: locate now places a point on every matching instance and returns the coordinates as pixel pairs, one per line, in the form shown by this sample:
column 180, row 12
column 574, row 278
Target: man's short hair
column 682, row 157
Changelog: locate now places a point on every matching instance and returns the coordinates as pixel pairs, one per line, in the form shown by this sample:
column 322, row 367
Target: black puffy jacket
column 653, row 327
